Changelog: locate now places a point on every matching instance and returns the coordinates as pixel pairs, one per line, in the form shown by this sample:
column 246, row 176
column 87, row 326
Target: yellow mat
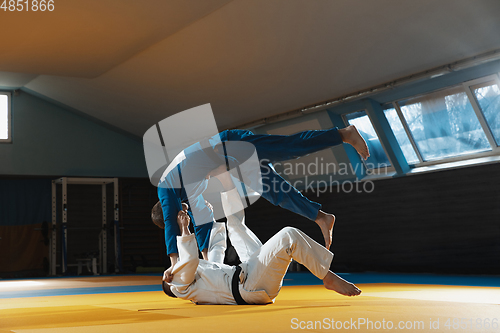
column 380, row 308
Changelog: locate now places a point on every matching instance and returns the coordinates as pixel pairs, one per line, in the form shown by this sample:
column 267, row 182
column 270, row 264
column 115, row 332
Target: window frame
column 477, row 109
column 9, row 117
column 395, row 105
column 495, row 150
column 374, row 171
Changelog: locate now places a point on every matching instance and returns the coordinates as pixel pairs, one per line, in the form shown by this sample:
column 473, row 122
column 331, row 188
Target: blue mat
column 307, row 279
column 79, row 291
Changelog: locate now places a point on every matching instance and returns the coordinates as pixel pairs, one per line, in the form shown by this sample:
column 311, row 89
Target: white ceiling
column 132, row 63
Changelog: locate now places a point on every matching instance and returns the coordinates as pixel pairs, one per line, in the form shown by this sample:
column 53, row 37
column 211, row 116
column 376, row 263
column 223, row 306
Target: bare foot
column 351, row 136
column 334, row 282
column 326, row 222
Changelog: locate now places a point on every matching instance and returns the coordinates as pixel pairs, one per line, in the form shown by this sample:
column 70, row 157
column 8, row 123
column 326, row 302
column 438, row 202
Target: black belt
column 235, row 287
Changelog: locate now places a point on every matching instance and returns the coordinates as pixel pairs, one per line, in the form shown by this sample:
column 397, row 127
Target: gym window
column 456, row 122
column 401, row 135
column 5, row 118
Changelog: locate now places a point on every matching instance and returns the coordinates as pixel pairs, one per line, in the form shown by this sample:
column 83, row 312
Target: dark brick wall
column 441, row 222
column 142, row 242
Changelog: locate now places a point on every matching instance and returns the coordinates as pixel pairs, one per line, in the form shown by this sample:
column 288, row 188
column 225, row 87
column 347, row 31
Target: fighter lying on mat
column 258, row 279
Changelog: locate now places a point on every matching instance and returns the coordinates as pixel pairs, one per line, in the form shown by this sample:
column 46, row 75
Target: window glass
column 488, row 98
column 444, row 124
column 401, row 136
column 4, row 117
column 378, row 158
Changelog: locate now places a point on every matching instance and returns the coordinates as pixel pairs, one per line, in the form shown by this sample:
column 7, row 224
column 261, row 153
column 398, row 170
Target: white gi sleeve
column 185, row 269
column 243, row 239
column 217, row 245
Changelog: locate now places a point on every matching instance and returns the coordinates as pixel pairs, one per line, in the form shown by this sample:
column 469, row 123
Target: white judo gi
column 263, row 266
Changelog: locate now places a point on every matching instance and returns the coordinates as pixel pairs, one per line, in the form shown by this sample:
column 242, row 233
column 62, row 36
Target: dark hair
column 157, row 215
column 166, row 289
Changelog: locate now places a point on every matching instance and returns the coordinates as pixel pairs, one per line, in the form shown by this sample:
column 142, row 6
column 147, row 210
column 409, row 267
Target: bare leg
column 334, row 282
column 351, row 136
column 326, row 221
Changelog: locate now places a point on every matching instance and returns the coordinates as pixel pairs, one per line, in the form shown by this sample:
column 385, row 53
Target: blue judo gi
column 270, row 149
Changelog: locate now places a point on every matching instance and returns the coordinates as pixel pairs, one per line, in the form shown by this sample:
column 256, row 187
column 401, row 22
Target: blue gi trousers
column 270, row 148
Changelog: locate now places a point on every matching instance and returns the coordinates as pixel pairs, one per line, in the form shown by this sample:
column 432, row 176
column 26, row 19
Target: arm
column 218, row 241
column 174, row 258
column 170, row 204
column 243, row 239
column 182, row 274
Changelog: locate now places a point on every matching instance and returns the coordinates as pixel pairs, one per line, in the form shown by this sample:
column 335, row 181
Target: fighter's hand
column 183, row 219
column 167, row 275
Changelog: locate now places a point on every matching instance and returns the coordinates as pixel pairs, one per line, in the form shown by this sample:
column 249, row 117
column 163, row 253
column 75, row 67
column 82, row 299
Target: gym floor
column 135, row 303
